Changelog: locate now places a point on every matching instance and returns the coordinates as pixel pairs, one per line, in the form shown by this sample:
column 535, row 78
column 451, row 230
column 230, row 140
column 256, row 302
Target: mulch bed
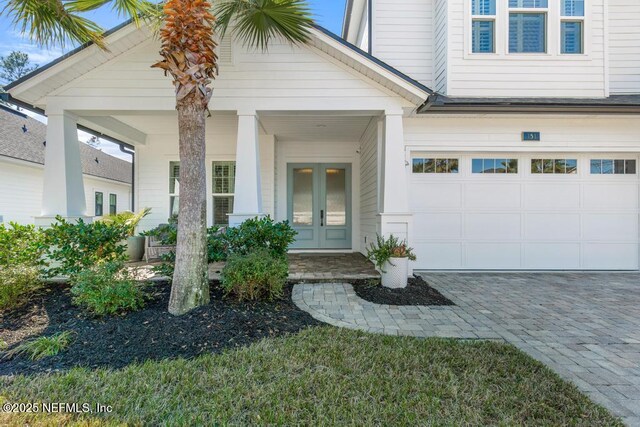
column 417, row 292
column 152, row 333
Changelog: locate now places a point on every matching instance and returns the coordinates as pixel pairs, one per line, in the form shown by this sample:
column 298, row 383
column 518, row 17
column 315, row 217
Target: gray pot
column 135, row 248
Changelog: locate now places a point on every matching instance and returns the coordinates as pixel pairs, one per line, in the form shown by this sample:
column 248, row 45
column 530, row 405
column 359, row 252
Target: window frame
column 113, row 203
column 553, row 34
column 554, row 160
column 435, row 165
column 572, row 18
column 229, row 195
column 483, row 173
column 601, row 159
column 95, row 203
column 544, row 11
column 175, row 195
column 484, row 18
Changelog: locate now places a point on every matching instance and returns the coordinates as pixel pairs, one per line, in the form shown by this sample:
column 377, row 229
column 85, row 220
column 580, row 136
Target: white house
column 492, row 134
column 106, row 179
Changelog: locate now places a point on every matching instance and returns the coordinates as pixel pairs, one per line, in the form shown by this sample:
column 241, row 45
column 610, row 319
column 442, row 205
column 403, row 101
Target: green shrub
column 259, row 233
column 41, row 347
column 16, row 283
column 258, row 275
column 75, row 247
column 21, row 245
column 382, row 250
column 108, row 288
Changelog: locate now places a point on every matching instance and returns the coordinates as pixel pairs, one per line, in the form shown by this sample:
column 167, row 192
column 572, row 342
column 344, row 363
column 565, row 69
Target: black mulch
column 152, row 333
column 417, row 292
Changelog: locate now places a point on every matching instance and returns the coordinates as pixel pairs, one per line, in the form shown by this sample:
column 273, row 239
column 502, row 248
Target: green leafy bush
column 21, row 245
column 259, row 233
column 258, row 275
column 127, row 219
column 381, row 251
column 16, row 283
column 78, row 246
column 108, row 288
column 41, row 347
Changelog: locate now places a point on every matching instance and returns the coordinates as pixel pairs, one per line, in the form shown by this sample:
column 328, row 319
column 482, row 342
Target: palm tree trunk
column 190, row 287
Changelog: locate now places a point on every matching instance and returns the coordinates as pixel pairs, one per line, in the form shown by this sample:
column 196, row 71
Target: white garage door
column 529, row 212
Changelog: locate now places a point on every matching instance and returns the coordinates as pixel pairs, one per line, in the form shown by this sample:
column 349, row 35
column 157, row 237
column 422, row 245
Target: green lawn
column 324, row 376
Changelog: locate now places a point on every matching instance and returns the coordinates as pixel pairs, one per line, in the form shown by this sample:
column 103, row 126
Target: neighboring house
column 107, row 180
column 492, row 134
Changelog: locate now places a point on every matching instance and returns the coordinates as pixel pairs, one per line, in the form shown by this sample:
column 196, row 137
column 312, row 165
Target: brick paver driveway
column 585, row 326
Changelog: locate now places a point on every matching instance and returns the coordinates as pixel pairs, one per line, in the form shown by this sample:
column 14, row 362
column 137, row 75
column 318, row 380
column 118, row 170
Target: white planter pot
column 396, row 273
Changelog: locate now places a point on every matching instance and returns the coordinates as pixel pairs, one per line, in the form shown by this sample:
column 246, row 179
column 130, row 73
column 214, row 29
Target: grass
column 323, row 376
column 41, row 347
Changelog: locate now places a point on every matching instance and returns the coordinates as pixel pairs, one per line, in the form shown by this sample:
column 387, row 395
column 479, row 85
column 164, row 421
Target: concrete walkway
column 585, row 326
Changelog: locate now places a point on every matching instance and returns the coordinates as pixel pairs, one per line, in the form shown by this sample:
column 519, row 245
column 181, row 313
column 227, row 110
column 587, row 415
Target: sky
column 328, row 13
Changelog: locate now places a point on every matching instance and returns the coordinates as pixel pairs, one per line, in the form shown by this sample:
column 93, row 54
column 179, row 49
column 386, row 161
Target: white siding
column 404, row 36
column 284, row 76
column 369, row 204
column 520, row 75
column 21, row 192
column 624, row 46
column 152, row 164
column 441, row 29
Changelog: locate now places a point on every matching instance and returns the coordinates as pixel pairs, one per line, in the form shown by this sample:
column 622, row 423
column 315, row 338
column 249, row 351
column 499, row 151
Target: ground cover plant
column 322, row 376
column 38, row 348
column 257, row 275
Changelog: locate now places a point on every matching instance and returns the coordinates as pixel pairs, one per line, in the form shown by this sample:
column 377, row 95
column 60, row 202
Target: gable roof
column 35, row 86
column 23, row 138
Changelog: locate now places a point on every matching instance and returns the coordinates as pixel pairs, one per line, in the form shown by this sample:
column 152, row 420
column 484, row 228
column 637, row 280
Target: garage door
column 533, row 212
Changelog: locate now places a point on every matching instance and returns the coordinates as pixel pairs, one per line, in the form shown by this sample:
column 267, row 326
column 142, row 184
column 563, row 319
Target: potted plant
column 135, row 244
column 391, row 257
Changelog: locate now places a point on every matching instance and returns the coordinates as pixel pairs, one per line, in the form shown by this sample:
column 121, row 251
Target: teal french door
column 319, row 204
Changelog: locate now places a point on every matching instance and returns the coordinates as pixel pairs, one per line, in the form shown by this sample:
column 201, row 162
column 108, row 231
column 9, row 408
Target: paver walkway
column 585, row 326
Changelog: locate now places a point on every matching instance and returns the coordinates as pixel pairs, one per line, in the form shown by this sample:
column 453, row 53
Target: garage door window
column 613, row 167
column 423, row 165
column 494, row 166
column 554, row 166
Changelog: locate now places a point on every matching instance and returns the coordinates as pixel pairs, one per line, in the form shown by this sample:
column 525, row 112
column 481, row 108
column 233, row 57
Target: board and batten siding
column 369, row 185
column 152, row 165
column 21, row 186
column 624, row 46
column 404, row 36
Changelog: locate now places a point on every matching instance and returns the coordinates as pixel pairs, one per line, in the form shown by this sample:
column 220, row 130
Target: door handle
column 321, row 217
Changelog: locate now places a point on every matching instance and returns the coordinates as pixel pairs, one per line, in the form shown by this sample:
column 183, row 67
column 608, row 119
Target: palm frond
column 49, row 23
column 135, row 9
column 257, row 22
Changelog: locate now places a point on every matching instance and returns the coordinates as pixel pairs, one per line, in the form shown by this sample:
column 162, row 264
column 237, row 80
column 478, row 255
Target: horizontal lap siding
column 284, row 72
column 404, row 37
column 507, row 76
column 624, row 46
column 20, row 192
column 152, row 165
column 369, row 185
column 122, row 191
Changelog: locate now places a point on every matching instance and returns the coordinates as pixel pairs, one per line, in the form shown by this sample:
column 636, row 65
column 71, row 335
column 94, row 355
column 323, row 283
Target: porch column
column 395, row 215
column 63, row 181
column 248, row 189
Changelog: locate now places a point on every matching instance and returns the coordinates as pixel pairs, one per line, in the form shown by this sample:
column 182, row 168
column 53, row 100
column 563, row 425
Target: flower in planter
column 383, row 249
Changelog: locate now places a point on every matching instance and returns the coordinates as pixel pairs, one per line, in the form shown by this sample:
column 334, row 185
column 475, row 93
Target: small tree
column 14, row 66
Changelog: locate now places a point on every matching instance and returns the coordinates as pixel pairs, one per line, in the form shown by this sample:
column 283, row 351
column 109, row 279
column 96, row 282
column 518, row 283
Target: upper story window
column 528, row 26
column 483, row 26
column 572, row 26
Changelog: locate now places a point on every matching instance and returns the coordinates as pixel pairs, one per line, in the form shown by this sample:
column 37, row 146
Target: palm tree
column 188, row 55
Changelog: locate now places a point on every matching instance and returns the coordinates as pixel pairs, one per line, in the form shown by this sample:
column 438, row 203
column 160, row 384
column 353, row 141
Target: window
column 174, row 188
column 528, row 26
column 572, row 27
column 224, row 177
column 494, row 166
column 435, row 165
column 613, row 167
column 483, row 26
column 554, row 166
column 113, row 204
column 99, row 203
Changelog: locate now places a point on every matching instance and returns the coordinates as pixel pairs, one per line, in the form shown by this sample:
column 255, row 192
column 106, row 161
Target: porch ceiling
column 321, row 128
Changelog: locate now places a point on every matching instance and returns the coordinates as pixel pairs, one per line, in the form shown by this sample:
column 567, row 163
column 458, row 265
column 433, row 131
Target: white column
column 63, row 181
column 395, row 215
column 248, row 189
